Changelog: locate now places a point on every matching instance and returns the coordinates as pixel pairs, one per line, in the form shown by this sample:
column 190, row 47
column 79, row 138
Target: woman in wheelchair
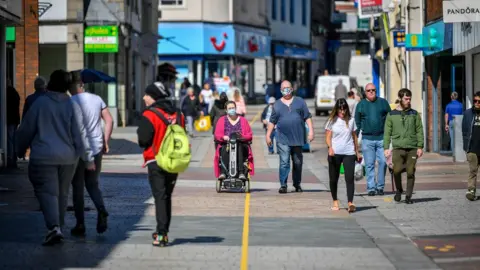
column 226, row 126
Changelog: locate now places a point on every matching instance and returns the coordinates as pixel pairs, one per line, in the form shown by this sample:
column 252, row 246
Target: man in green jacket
column 404, row 129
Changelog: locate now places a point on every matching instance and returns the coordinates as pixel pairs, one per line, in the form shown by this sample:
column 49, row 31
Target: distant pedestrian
column 471, row 144
column 340, row 90
column 453, row 108
column 94, row 110
column 40, row 85
column 289, row 115
column 404, row 129
column 266, row 114
column 219, row 109
column 151, row 131
column 53, row 129
column 352, row 103
column 341, row 139
column 239, row 102
column 207, row 95
column 370, row 115
column 13, row 120
column 190, row 106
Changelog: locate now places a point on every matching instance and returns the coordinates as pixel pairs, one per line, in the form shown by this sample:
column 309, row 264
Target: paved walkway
column 260, row 230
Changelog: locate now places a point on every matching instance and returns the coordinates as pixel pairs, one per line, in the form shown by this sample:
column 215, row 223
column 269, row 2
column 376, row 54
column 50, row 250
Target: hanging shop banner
column 415, row 42
column 101, row 39
column 399, row 38
column 461, row 11
column 370, row 8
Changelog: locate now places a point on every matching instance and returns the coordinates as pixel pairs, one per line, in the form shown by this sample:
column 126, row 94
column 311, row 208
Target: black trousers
column 162, row 185
column 242, row 153
column 334, row 164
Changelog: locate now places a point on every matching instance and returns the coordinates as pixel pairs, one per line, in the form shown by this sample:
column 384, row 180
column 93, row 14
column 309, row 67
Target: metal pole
column 3, row 96
column 407, row 53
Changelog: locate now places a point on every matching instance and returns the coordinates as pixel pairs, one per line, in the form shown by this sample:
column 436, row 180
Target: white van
column 325, row 91
column 360, row 68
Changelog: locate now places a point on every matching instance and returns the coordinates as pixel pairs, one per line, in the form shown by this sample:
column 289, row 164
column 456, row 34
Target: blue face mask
column 286, row 91
column 231, row 112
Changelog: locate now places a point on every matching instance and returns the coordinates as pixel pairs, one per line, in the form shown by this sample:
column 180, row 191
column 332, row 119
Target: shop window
column 172, row 3
column 106, row 63
column 282, row 10
column 274, row 9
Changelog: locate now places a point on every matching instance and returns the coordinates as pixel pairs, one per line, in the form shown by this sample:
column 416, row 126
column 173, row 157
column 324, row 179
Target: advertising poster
column 222, row 84
column 370, row 8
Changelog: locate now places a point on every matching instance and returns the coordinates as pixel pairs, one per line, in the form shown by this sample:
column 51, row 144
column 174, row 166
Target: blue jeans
column 272, row 137
column 285, row 152
column 373, row 151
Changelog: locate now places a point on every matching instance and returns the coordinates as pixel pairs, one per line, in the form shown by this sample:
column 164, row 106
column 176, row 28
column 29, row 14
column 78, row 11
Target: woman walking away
column 240, row 103
column 341, row 140
column 53, row 129
column 151, row 131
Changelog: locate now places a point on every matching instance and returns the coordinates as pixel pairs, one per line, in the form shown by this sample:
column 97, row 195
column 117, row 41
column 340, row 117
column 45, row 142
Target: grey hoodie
column 54, row 131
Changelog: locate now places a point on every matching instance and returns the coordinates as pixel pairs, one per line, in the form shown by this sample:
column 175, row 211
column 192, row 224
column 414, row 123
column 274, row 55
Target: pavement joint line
column 454, row 260
column 246, row 216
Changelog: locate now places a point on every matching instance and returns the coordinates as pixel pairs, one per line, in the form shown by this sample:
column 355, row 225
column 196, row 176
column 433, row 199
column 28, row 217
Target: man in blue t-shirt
column 453, row 108
column 289, row 115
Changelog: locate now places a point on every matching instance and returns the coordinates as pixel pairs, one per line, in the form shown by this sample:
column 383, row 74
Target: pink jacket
column 220, row 132
column 241, row 108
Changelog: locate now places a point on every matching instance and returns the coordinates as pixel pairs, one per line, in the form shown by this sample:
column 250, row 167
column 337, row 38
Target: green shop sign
column 10, row 36
column 101, row 39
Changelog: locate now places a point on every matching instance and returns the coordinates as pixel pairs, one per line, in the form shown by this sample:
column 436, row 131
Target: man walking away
column 13, row 120
column 93, row 110
column 453, row 108
column 471, row 144
column 289, row 115
column 151, row 131
column 53, row 129
column 40, row 85
column 340, row 90
column 404, row 129
column 370, row 115
column 352, row 103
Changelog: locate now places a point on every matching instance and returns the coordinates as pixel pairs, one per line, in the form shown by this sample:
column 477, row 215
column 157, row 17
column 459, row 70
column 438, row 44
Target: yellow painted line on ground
column 430, row 247
column 246, row 218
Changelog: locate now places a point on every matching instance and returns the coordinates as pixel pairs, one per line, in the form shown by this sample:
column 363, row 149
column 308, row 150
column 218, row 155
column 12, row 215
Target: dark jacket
column 218, row 110
column 467, row 126
column 190, row 107
column 31, row 99
column 13, row 106
column 404, row 129
column 264, row 115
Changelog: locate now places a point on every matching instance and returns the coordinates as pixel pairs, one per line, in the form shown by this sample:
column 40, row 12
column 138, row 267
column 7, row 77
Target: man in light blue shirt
column 453, row 108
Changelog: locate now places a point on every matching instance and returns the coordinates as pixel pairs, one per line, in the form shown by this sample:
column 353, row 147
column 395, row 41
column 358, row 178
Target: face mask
column 231, row 112
column 286, row 91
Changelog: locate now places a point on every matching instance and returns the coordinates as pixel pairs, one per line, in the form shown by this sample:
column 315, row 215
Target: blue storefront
column 202, row 50
column 295, row 65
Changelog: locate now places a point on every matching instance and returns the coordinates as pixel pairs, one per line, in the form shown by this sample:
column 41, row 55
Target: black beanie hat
column 157, row 91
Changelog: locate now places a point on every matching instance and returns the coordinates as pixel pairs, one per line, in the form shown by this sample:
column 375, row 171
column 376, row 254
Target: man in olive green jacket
column 404, row 129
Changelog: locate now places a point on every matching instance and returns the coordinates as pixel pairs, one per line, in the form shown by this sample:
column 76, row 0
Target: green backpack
column 174, row 154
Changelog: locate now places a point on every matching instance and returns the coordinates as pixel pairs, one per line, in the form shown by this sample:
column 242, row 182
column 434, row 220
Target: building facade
column 116, row 37
column 18, row 34
column 218, row 41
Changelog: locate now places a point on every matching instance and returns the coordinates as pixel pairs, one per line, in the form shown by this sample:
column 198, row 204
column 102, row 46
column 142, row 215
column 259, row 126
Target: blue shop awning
column 295, row 52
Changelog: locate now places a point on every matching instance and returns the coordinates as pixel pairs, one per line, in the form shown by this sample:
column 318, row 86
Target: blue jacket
column 467, row 126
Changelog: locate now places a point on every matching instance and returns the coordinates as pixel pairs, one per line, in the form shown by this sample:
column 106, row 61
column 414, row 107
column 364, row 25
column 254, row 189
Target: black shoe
column 398, row 196
column 408, row 200
column 282, row 190
column 78, row 230
column 371, row 193
column 380, row 192
column 54, row 236
column 102, row 221
column 298, row 188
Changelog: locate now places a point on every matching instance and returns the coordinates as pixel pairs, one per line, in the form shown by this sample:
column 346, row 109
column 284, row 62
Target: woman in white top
column 208, row 99
column 341, row 139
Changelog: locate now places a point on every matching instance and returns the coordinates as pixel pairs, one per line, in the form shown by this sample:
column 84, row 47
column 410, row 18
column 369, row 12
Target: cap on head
column 157, row 91
column 271, row 100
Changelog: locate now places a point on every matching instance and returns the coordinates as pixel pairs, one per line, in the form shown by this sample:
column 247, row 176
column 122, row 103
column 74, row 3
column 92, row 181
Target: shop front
column 222, row 53
column 446, row 74
column 294, row 64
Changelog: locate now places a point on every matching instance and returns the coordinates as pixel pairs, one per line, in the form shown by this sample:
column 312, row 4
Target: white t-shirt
column 207, row 96
column 92, row 106
column 342, row 139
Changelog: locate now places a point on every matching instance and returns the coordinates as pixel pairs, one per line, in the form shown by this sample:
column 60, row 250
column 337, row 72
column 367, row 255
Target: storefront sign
column 466, row 36
column 398, row 38
column 295, row 52
column 101, row 39
column 436, row 37
column 252, row 42
column 222, row 84
column 414, row 42
column 461, row 11
column 370, row 8
column 10, row 35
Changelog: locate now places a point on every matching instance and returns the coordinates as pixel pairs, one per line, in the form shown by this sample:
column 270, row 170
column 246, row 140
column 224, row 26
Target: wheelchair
column 231, row 180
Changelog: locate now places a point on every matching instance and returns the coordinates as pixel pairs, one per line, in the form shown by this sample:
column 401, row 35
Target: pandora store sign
column 461, row 11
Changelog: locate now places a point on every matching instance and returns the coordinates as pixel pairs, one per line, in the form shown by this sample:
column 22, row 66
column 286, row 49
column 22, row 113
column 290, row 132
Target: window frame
column 283, row 12
column 304, row 12
column 292, row 12
column 183, row 5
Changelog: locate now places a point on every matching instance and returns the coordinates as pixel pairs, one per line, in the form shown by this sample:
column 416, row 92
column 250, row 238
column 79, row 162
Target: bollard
column 458, row 154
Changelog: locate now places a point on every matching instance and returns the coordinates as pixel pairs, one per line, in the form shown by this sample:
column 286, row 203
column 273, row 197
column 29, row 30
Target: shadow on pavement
column 364, row 208
column 123, row 147
column 420, row 200
column 197, row 240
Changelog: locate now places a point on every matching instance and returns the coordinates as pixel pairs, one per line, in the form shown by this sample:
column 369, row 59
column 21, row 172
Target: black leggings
column 334, row 173
column 242, row 153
